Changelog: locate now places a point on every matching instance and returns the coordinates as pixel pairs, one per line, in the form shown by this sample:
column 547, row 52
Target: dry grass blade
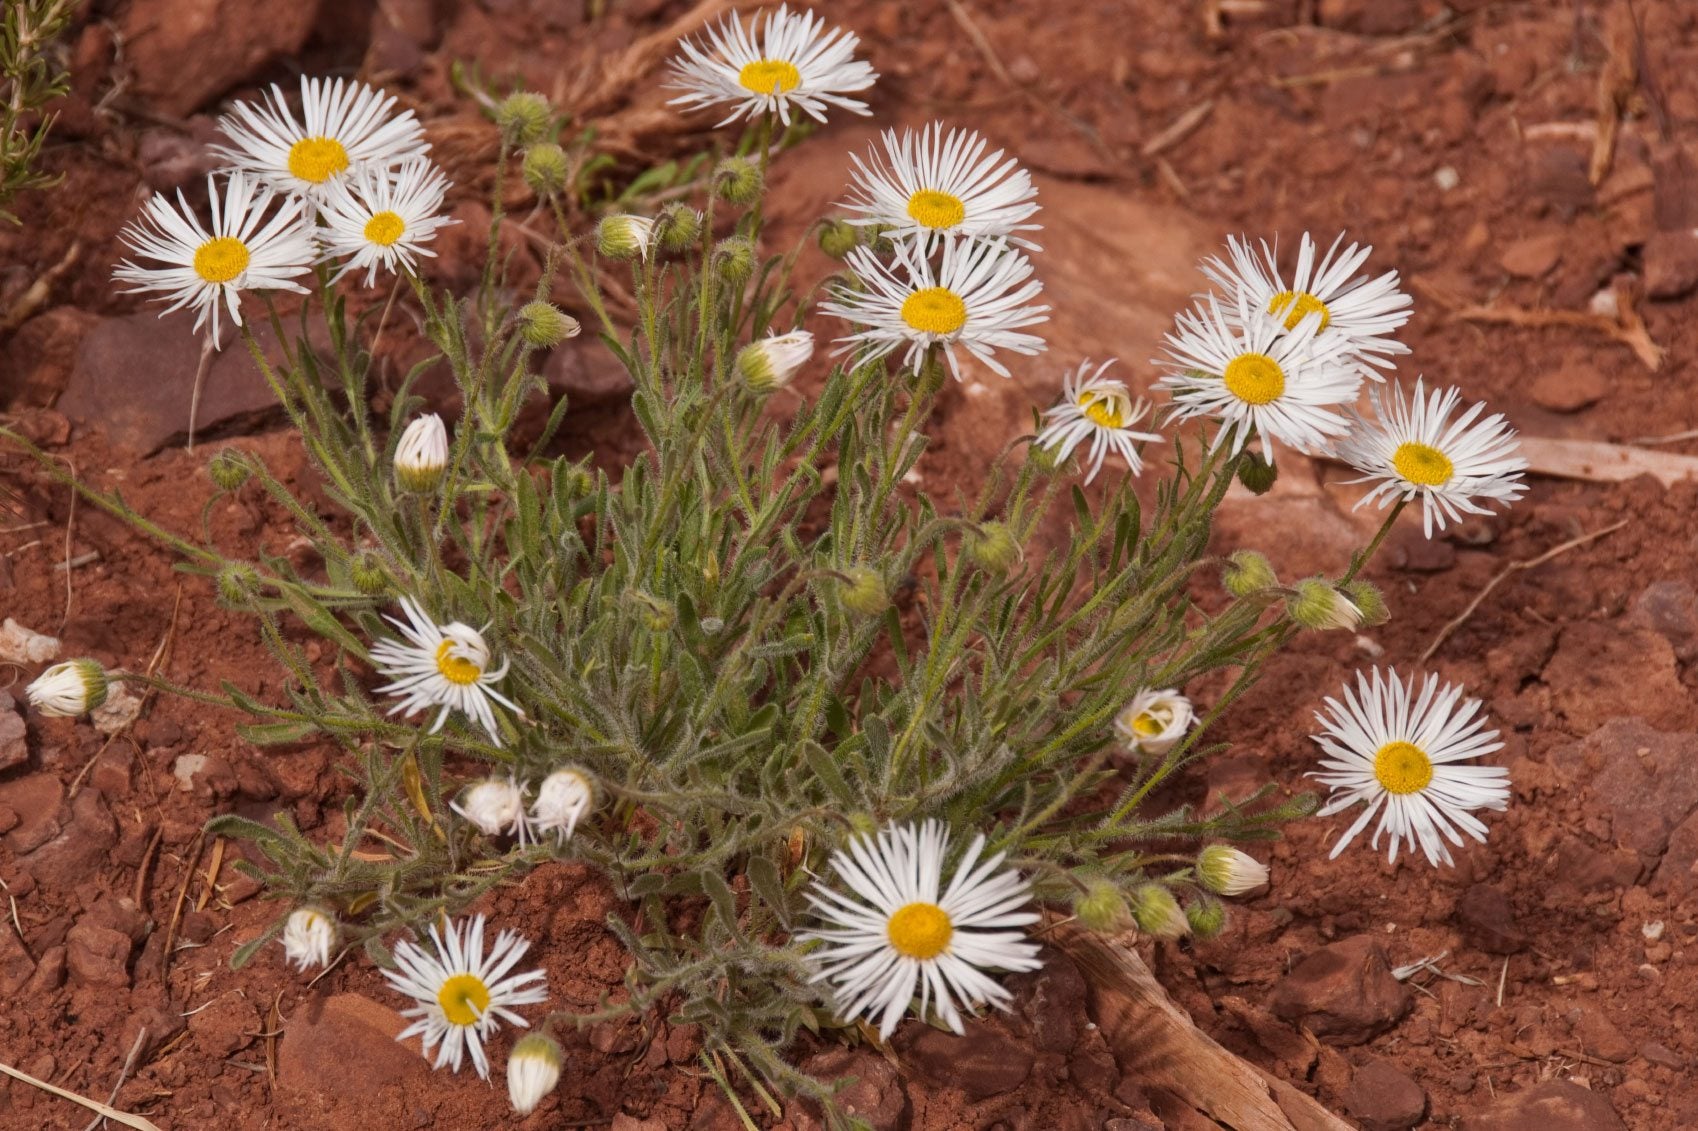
column 1513, row 567
column 140, row 1123
column 1182, row 128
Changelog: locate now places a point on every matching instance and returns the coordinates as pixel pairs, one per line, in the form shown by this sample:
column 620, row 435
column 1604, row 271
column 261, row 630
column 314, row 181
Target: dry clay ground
column 1461, row 141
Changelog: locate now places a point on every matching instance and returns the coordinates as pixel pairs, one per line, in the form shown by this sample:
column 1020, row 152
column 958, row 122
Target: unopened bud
column 1317, row 604
column 738, row 180
column 369, row 574
column 544, row 325
column 1102, row 908
column 1256, row 473
column 228, row 470
column 624, row 236
column 524, row 118
column 838, row 238
column 1248, row 572
column 67, row 690
column 734, row 259
column 1157, row 913
column 533, row 1070
column 421, row 455
column 678, row 226
column 1229, row 871
column 994, row 548
column 1369, row 601
column 546, row 168
column 864, row 591
column 1206, row 918
column 237, row 585
column 770, row 363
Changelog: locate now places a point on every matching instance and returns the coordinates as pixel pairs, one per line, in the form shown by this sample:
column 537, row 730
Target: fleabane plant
column 839, row 744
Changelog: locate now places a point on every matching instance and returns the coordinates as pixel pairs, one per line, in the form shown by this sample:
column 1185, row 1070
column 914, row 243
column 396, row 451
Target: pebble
column 1384, row 1099
column 1644, row 780
column 1671, row 609
column 1343, row 993
column 1533, row 257
column 1599, row 1037
column 1671, row 265
column 1488, row 921
column 1555, row 1105
column 14, row 736
column 1569, row 389
column 339, row 1061
column 983, row 1063
column 183, row 53
column 876, row 1096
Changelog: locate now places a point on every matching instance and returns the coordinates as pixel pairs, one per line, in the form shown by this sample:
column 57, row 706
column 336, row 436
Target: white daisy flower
column 1258, row 377
column 245, row 250
column 344, row 127
column 978, row 297
column 562, row 800
column 1398, row 750
column 444, row 666
column 69, row 689
column 533, row 1070
column 1155, row 721
column 1100, row 409
column 496, row 806
column 793, row 61
column 929, row 185
column 309, row 935
column 893, row 934
column 1358, row 312
column 463, row 994
column 1415, row 451
column 381, row 218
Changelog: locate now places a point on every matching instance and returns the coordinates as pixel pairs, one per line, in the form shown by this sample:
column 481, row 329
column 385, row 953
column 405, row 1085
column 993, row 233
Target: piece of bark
column 1598, row 462
column 1157, row 1044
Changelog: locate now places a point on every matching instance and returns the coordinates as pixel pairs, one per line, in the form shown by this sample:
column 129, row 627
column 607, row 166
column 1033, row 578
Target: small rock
column 14, row 736
column 122, row 707
column 37, row 361
column 20, row 645
column 171, row 160
column 1056, row 1007
column 876, row 1096
column 1646, row 781
column 1569, row 389
column 585, row 376
column 111, row 773
column 17, row 968
column 49, row 973
column 36, row 800
column 1343, row 993
column 78, row 851
column 1671, row 264
column 1533, row 257
column 1671, row 609
column 1384, row 1099
column 1622, row 668
column 1555, row 1105
column 162, row 1025
column 183, row 53
column 98, row 956
column 1663, row 1055
column 339, row 1065
column 623, row 1122
column 983, row 1063
column 1488, row 921
column 226, row 1026
column 1599, row 1037
column 1677, row 874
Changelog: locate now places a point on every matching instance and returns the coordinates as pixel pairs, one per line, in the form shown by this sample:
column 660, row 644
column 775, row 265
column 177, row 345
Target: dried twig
column 1182, row 128
column 138, row 1122
column 123, row 1074
column 1513, row 567
column 1628, row 328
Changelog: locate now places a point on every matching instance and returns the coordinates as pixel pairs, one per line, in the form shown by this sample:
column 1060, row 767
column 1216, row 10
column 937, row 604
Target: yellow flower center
column 932, row 209
column 1403, row 767
column 1297, row 307
column 222, row 259
column 317, row 159
column 1106, row 410
column 770, row 76
column 1147, row 725
column 455, row 669
column 1422, row 465
column 920, row 930
column 1254, row 378
column 384, row 228
column 463, row 999
column 935, row 310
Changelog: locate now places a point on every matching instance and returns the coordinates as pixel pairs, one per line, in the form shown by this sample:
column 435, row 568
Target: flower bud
column 67, row 690
column 864, row 591
column 678, row 226
column 495, row 806
column 1155, row 721
column 1369, row 601
column 993, row 547
column 533, row 1070
column 1102, row 908
column 1257, row 474
column 422, row 454
column 562, row 800
column 838, row 238
column 623, row 236
column 1317, row 604
column 1229, row 871
column 228, row 470
column 863, row 824
column 546, row 168
column 1206, row 918
column 309, row 936
column 1157, row 913
column 237, row 584
column 879, row 237
column 524, row 118
column 734, row 260
column 544, row 325
column 771, row 362
column 368, row 573
column 1248, row 572
column 738, row 180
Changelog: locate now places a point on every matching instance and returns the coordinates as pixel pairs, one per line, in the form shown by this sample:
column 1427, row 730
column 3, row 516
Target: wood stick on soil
column 123, row 1074
column 177, row 908
column 1513, row 567
column 1159, row 1047
column 138, row 1122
